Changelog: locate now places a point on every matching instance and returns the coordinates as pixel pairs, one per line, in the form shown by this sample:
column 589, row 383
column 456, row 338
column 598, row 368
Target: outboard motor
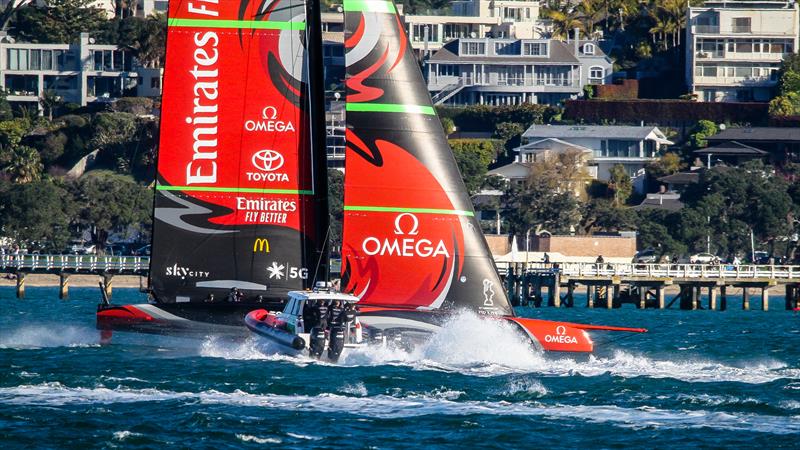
column 377, row 336
column 317, row 344
column 336, row 342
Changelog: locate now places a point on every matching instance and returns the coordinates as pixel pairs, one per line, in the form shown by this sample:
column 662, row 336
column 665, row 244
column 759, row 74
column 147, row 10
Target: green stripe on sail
column 378, row 6
column 236, row 190
column 390, row 108
column 453, row 212
column 246, row 24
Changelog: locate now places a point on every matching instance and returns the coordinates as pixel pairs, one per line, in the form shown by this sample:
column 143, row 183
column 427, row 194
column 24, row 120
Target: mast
column 238, row 199
column 316, row 86
column 411, row 239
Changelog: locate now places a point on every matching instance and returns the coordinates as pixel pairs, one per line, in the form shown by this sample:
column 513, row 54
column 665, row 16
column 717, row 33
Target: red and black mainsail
column 410, row 239
column 241, row 196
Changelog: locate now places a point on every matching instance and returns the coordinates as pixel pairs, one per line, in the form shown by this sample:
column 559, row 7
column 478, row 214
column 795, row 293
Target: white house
column 632, row 147
column 735, row 48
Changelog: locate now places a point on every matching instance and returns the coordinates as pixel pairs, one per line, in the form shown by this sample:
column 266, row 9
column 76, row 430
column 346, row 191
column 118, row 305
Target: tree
column 49, row 102
column 473, row 157
column 547, row 200
column 590, row 12
column 728, row 204
column 703, row 129
column 668, row 164
column 145, row 38
column 24, row 165
column 8, row 11
column 658, row 229
column 110, row 202
column 39, row 211
column 448, row 125
column 564, row 19
column 58, row 21
column 6, row 113
column 603, row 215
column 620, row 184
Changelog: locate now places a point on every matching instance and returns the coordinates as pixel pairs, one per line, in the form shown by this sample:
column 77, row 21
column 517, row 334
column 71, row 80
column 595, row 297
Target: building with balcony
column 515, row 71
column 632, row 147
column 475, row 19
column 735, row 48
column 80, row 73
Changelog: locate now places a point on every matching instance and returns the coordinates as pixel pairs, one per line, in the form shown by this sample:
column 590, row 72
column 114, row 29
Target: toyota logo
column 267, row 160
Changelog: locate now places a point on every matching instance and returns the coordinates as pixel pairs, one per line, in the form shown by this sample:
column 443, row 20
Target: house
column 514, row 71
column 735, row 48
column 782, row 144
column 475, row 19
column 542, row 150
column 632, row 147
column 82, row 73
column 729, row 152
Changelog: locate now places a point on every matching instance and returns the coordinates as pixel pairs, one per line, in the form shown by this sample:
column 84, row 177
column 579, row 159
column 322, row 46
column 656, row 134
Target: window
column 426, row 32
column 36, row 59
column 588, row 49
column 740, row 24
column 535, row 49
column 620, row 148
column 473, row 48
column 744, row 47
column 596, row 74
column 506, row 48
column 743, row 72
column 448, row 70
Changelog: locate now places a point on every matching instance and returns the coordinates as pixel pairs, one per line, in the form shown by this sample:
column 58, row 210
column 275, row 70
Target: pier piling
column 63, row 291
column 745, row 298
column 590, row 293
column 765, row 298
column 21, row 284
column 554, row 292
column 712, row 298
column 610, row 297
column 642, row 297
column 723, row 298
column 660, row 297
column 570, row 294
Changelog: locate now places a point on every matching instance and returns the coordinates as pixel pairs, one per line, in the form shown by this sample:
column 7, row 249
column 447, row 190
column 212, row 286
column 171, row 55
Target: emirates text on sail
column 203, row 166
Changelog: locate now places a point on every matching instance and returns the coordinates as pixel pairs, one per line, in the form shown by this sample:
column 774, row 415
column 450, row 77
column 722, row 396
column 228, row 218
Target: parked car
column 82, row 248
column 646, row 256
column 761, row 257
column 703, row 258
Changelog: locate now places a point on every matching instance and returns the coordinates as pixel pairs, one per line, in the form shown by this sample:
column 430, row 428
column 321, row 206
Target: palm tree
column 564, row 20
column 50, row 101
column 590, row 12
column 24, row 166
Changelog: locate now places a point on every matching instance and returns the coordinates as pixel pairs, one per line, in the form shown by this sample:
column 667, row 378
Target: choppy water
column 700, row 379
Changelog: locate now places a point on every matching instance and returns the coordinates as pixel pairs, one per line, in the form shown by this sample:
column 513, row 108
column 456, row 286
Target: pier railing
column 122, row 265
column 693, row 271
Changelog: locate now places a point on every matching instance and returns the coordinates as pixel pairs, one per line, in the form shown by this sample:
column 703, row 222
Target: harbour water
column 699, row 378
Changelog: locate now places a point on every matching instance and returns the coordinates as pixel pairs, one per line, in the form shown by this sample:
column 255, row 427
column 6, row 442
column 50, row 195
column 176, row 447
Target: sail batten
column 411, row 239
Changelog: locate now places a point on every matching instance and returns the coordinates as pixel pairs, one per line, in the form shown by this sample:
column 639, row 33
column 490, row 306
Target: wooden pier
column 105, row 267
column 609, row 285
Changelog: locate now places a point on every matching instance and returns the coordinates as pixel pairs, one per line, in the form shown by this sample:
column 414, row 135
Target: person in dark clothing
column 322, row 314
column 310, row 318
column 336, row 313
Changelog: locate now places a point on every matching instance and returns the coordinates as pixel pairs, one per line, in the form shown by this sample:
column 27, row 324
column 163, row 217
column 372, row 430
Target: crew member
column 322, row 313
column 310, row 318
column 232, row 295
column 336, row 313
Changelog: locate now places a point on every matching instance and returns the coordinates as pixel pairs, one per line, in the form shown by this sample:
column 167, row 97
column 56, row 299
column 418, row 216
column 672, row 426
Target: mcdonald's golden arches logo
column 261, row 245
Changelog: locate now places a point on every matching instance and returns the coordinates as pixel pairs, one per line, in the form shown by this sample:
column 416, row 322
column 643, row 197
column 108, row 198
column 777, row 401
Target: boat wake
column 48, row 335
column 409, row 406
column 468, row 344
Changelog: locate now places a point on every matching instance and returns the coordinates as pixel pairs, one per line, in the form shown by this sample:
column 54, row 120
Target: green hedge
column 486, row 118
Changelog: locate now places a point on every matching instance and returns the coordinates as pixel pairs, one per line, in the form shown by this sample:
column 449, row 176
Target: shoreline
column 75, row 280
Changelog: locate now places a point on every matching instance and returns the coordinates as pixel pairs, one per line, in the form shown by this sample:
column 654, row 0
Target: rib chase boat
column 241, row 192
